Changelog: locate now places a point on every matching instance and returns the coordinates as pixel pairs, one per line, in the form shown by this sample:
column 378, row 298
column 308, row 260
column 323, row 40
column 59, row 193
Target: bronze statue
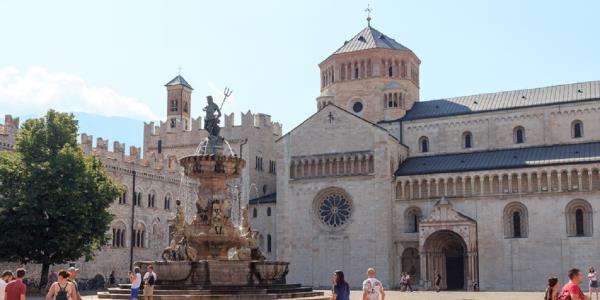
column 211, row 121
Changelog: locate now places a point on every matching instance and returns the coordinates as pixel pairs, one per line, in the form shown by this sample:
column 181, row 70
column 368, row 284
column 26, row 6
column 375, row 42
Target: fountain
column 211, row 257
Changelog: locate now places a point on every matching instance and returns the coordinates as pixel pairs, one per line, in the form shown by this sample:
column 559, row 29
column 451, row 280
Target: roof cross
column 369, row 10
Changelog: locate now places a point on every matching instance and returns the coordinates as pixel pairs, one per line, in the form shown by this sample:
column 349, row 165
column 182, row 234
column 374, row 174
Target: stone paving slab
column 396, row 295
column 357, row 295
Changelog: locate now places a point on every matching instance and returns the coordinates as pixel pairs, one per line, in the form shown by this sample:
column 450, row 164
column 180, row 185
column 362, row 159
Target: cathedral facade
column 495, row 191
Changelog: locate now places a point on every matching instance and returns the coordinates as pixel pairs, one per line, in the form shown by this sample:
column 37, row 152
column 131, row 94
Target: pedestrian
column 552, row 289
column 571, row 290
column 149, row 281
column 403, row 282
column 6, row 278
column 437, row 281
column 372, row 287
column 62, row 289
column 73, row 279
column 340, row 289
column 408, row 285
column 16, row 289
column 593, row 278
column 111, row 278
column 136, row 281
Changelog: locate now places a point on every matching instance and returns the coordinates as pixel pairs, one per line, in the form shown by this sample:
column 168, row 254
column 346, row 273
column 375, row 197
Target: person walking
column 372, row 287
column 403, row 282
column 571, row 290
column 149, row 281
column 552, row 289
column 73, row 280
column 6, row 278
column 136, row 281
column 340, row 289
column 437, row 281
column 408, row 284
column 62, row 289
column 16, row 289
column 593, row 278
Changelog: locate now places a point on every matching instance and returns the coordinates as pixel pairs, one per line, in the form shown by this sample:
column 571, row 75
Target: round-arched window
column 333, row 208
column 357, row 107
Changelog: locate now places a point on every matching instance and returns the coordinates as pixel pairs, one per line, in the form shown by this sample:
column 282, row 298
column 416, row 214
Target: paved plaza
column 356, row 295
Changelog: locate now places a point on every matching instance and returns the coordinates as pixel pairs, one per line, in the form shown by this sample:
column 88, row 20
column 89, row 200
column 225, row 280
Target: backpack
column 62, row 293
column 564, row 295
column 151, row 279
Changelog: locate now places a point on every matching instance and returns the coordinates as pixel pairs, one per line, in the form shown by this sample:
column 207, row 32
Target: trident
column 227, row 92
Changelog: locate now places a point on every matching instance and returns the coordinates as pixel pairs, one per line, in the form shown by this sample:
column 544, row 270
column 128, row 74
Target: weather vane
column 369, row 10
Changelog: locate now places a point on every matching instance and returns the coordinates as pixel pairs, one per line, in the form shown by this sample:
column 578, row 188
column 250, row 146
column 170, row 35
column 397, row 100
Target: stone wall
column 545, row 125
column 8, row 132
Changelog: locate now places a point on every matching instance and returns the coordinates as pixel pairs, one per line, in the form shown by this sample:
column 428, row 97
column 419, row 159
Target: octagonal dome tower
column 372, row 76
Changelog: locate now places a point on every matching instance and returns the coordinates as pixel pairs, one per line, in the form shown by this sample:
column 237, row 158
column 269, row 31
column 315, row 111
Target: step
column 249, row 296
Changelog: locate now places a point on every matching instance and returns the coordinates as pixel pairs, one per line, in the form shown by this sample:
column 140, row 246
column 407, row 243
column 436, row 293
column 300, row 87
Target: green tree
column 54, row 200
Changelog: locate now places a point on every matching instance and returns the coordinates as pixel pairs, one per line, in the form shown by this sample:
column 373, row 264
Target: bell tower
column 179, row 102
column 372, row 76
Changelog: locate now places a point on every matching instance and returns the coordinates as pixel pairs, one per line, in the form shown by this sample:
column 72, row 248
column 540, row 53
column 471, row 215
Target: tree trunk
column 44, row 278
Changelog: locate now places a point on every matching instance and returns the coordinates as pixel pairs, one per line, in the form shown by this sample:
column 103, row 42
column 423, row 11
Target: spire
column 369, row 10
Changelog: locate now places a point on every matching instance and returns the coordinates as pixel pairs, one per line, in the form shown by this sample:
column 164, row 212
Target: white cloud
column 37, row 90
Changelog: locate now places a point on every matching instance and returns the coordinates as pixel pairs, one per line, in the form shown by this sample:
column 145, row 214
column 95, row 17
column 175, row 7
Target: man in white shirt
column 372, row 287
column 6, row 277
column 149, row 282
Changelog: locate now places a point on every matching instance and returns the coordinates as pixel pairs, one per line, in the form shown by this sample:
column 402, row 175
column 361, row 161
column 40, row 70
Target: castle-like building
column 159, row 182
column 496, row 190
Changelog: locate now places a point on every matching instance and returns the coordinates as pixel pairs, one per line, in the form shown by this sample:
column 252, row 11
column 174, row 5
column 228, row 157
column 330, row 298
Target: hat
column 73, row 269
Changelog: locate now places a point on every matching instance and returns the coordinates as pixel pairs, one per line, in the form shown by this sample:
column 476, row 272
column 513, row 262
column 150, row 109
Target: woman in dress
column 341, row 289
column 593, row 278
column 552, row 289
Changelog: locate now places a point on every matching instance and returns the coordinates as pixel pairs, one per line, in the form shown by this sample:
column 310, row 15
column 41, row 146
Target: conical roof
column 179, row 80
column 370, row 38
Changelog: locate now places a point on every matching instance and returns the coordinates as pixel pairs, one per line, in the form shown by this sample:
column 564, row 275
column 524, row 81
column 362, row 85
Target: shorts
column 594, row 284
column 134, row 293
column 149, row 290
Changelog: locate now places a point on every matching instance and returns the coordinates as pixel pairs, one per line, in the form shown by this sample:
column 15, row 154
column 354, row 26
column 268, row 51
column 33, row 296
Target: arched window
column 123, row 196
column 167, row 205
column 118, row 235
column 390, row 71
column 423, row 144
column 254, row 212
column 269, row 243
column 579, row 218
column 412, row 217
column 356, row 73
column 577, row 129
column 173, row 105
column 140, row 235
column 467, row 140
column 515, row 220
column 268, row 211
column 264, row 189
column 519, row 135
column 151, row 200
column 138, row 199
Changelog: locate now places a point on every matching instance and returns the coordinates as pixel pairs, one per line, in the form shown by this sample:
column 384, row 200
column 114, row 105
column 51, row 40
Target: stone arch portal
column 448, row 245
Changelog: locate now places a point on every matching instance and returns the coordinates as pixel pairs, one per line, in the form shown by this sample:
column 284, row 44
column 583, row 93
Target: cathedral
column 493, row 191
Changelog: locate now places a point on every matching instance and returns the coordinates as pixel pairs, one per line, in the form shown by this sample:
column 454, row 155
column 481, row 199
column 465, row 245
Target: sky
column 112, row 58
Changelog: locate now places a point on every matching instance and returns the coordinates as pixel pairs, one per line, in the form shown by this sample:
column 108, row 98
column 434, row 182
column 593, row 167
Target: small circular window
column 357, row 107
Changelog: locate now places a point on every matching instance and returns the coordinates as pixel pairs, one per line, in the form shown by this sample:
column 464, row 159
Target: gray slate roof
column 370, row 38
column 501, row 159
column 178, row 80
column 504, row 100
column 270, row 198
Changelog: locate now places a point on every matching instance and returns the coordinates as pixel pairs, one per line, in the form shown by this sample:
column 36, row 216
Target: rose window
column 334, row 210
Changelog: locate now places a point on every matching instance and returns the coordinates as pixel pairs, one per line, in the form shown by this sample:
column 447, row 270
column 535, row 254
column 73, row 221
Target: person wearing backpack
column 552, row 289
column 62, row 289
column 571, row 290
column 149, row 281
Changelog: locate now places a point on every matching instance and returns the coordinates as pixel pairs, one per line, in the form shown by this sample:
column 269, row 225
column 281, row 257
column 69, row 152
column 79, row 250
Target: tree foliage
column 54, row 200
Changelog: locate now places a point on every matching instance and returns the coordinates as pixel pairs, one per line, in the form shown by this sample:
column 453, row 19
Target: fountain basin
column 271, row 272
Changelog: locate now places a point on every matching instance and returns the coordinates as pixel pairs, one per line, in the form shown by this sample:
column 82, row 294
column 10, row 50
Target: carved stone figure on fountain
column 202, row 212
column 218, row 220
